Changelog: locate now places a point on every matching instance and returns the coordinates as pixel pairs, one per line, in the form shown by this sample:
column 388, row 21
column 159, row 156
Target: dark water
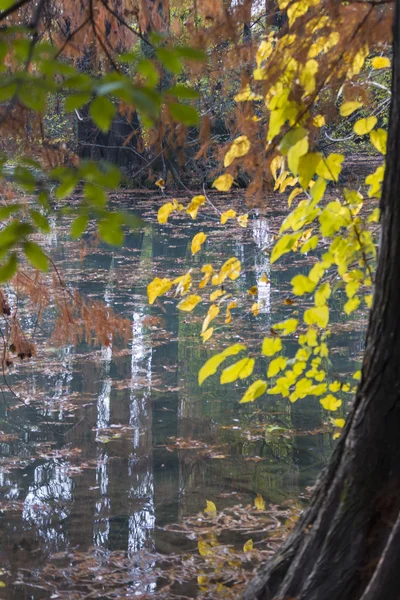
column 116, row 443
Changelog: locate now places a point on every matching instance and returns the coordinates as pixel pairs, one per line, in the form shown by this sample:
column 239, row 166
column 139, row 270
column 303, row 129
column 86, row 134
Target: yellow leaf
column 364, row 126
column 378, row 139
column 374, row 180
column 184, row 284
column 276, row 365
column 307, row 165
column 228, row 214
column 351, row 305
column 338, row 422
column 248, row 546
column 215, row 295
column 231, row 305
column 160, row 183
column 264, row 278
column 189, row 303
column 293, row 195
column 255, row 390
column 239, row 370
column 381, row 62
column 164, row 211
column 330, row 167
column 263, row 52
column 207, row 334
column 259, row 502
column 317, row 316
column 198, row 241
column 348, row 108
column 211, row 366
column 194, row 205
column 302, row 285
column 157, row 288
column 242, row 220
column 330, row 403
column 177, row 205
column 246, row 95
column 223, row 183
column 210, row 508
column 202, row 579
column 287, row 327
column 255, row 309
column 276, row 163
column 295, row 153
column 285, row 244
column 238, row 148
column 322, row 294
column 213, row 311
column 231, row 268
column 204, row 548
column 319, row 121
column 271, row 346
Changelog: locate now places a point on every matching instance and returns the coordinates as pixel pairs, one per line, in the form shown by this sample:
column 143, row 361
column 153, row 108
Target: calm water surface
column 117, row 443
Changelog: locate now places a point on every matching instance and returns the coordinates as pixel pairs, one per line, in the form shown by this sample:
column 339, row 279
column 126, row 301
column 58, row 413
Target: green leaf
column 147, row 68
column 170, row 59
column 8, row 270
column 36, row 256
column 110, row 229
column 191, row 53
column 285, row 244
column 183, row 91
column 184, row 114
column 102, row 111
column 78, row 226
column 4, row 4
column 40, row 221
column 76, row 101
column 94, row 195
column 33, row 97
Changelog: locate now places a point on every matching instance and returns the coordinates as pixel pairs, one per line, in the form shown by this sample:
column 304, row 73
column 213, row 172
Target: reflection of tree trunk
column 118, row 146
column 344, row 546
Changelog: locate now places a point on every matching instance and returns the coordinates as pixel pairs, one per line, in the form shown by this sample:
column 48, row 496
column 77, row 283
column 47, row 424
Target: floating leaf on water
column 259, row 502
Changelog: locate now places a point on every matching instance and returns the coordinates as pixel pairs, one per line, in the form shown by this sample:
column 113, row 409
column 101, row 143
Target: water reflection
column 132, row 442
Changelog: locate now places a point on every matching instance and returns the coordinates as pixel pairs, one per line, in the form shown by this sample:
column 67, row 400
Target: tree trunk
column 347, row 544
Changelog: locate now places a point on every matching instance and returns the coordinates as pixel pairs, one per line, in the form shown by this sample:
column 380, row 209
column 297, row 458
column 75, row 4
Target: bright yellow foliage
column 239, row 370
column 198, row 241
column 223, row 183
column 381, row 62
column 157, row 288
column 255, row 390
column 364, row 126
column 189, row 303
column 238, row 148
column 330, row 403
column 271, row 346
column 194, row 205
column 228, row 214
column 259, row 502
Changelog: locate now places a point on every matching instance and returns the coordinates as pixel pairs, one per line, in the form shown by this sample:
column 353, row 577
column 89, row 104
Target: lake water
column 108, row 448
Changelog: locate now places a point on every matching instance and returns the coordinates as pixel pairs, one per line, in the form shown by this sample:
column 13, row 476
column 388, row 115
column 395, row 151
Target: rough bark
column 347, row 544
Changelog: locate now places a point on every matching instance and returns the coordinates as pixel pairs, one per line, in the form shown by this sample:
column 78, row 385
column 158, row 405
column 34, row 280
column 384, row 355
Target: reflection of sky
column 48, row 501
column 141, row 522
column 262, row 239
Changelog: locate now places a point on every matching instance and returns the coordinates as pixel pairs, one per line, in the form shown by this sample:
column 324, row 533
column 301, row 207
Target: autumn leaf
column 228, row 214
column 271, row 346
column 210, row 508
column 160, row 183
column 330, row 403
column 207, row 334
column 348, row 108
column 364, row 126
column 255, row 390
column 248, row 546
column 194, row 205
column 255, row 309
column 223, row 183
column 242, row 220
column 239, row 370
column 189, row 303
column 198, row 241
column 259, row 502
column 157, row 288
column 381, row 62
column 164, row 211
column 238, row 148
